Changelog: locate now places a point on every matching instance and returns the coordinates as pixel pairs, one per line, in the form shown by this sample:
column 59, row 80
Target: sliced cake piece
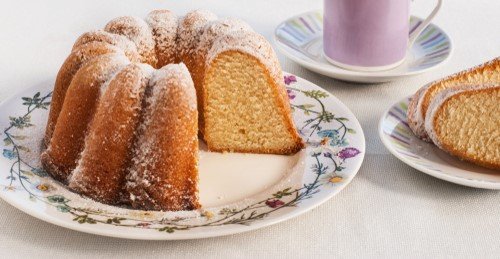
column 80, row 102
column 211, row 33
column 466, row 124
column 164, row 170
column 102, row 168
column 487, row 73
column 246, row 108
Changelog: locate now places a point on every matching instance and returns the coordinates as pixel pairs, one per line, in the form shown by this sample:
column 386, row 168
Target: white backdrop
column 389, row 209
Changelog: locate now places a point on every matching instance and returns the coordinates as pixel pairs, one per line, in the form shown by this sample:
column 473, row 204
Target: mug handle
column 423, row 25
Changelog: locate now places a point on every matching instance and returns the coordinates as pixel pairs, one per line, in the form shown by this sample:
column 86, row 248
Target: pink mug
column 369, row 35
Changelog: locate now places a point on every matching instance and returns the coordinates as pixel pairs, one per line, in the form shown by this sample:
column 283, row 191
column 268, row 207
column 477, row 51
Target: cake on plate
column 461, row 114
column 487, row 73
column 125, row 117
column 466, row 124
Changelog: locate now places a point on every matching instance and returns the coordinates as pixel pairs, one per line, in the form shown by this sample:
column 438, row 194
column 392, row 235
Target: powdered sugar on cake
column 164, row 103
column 138, row 31
column 216, row 29
column 190, row 30
column 164, row 27
column 251, row 43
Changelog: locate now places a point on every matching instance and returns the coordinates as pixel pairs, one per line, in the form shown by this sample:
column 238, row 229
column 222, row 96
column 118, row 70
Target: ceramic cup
column 369, row 35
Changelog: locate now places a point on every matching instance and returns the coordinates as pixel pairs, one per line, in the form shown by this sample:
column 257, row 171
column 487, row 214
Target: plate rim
column 54, row 220
column 481, row 184
column 351, row 75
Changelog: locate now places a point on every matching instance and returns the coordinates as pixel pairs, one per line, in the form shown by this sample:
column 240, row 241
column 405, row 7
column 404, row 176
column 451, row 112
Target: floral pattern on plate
column 333, row 156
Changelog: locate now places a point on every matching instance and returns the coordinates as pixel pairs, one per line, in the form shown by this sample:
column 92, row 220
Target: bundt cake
column 466, row 123
column 124, row 120
column 487, row 73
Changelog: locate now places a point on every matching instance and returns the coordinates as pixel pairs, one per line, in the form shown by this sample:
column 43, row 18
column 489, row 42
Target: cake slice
column 487, row 73
column 466, row 124
column 246, row 108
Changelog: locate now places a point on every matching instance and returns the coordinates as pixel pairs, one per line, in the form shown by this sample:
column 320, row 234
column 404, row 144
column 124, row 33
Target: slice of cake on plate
column 466, row 124
column 487, row 73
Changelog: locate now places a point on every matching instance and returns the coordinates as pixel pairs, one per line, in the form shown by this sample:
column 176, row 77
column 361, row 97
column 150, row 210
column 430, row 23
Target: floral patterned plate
column 426, row 157
column 249, row 199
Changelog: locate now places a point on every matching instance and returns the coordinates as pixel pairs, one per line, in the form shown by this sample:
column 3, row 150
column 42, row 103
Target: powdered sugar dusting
column 117, row 40
column 138, row 31
column 418, row 124
column 251, row 43
column 151, row 179
column 216, row 29
column 190, row 29
column 164, row 27
column 178, row 77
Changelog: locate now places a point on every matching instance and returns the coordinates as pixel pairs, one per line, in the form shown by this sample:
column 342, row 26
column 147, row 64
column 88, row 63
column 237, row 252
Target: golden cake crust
column 189, row 32
column 138, row 31
column 164, row 171
column 163, row 24
column 77, row 111
column 102, row 168
column 70, row 67
column 119, row 41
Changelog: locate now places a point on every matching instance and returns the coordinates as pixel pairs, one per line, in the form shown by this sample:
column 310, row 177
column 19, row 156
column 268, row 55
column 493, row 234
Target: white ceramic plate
column 300, row 38
column 426, row 157
column 239, row 192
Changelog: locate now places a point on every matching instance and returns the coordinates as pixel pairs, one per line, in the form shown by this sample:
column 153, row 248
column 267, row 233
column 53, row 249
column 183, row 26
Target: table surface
column 389, row 209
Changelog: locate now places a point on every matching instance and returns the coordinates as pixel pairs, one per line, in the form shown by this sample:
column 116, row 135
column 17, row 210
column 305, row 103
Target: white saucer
column 238, row 192
column 300, row 38
column 426, row 157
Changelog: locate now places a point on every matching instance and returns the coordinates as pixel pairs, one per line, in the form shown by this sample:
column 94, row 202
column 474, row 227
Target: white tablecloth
column 389, row 209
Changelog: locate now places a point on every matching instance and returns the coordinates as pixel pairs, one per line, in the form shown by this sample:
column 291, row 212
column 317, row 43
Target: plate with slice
column 428, row 158
column 238, row 192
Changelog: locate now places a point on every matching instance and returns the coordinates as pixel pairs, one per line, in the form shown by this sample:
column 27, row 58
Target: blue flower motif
column 339, row 142
column 9, row 154
column 328, row 133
